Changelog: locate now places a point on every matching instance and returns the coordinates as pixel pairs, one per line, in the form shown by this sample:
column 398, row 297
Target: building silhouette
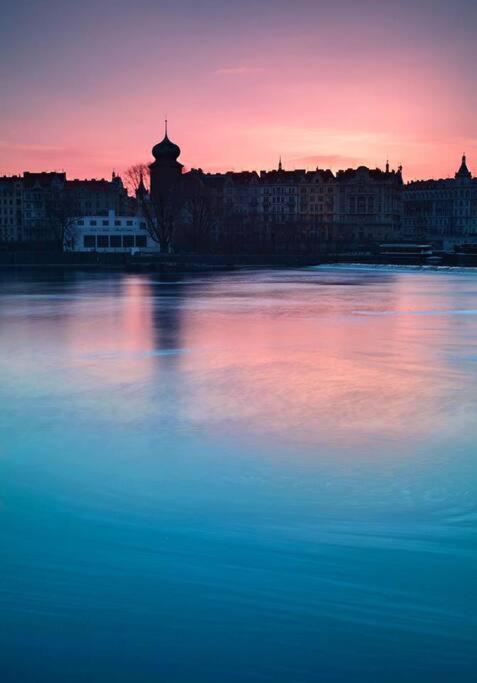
column 29, row 203
column 11, row 209
column 277, row 211
column 442, row 211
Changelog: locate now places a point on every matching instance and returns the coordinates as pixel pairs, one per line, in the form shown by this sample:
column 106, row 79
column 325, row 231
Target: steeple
column 463, row 173
column 116, row 179
column 280, row 168
column 387, row 166
column 141, row 191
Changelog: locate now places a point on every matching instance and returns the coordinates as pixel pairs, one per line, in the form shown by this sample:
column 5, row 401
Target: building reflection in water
column 110, row 333
column 169, row 293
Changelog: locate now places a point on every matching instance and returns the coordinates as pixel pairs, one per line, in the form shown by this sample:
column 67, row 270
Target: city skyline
column 87, row 87
column 129, row 173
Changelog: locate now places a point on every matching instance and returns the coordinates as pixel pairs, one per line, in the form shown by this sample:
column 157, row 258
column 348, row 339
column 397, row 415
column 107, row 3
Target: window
column 80, row 222
column 92, row 222
column 89, row 241
column 141, row 241
column 103, row 241
column 117, row 223
column 105, row 222
column 129, row 223
column 115, row 241
column 128, row 241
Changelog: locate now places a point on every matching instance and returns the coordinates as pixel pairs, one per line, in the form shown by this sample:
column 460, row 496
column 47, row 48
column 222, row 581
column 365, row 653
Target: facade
column 318, row 208
column 98, row 197
column 367, row 205
column 111, row 233
column 444, row 211
column 40, row 194
column 11, row 210
column 36, row 207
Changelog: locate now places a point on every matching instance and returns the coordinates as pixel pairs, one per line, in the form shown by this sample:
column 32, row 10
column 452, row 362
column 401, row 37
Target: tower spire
column 463, row 172
column 165, row 127
column 141, row 188
column 280, row 168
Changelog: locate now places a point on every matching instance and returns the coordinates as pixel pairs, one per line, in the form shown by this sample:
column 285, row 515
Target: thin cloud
column 16, row 147
column 238, row 70
column 55, row 152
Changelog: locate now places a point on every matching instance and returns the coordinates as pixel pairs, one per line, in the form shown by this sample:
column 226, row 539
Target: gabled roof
column 42, row 180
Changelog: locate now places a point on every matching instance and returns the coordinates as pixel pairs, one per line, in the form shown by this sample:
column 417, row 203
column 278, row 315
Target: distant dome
column 166, row 150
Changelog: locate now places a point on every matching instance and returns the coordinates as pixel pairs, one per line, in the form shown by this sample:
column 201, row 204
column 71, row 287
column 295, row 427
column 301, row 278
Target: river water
column 251, row 476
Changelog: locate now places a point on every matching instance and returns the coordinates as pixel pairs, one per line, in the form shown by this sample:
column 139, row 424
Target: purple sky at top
column 85, row 86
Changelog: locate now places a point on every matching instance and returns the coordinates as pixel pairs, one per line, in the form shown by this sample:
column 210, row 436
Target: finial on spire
column 280, row 163
column 165, row 127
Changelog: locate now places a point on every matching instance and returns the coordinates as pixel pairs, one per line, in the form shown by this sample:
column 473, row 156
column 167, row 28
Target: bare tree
column 61, row 210
column 134, row 175
column 161, row 212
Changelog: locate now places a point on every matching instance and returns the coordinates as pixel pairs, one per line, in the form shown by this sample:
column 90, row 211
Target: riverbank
column 156, row 262
column 204, row 262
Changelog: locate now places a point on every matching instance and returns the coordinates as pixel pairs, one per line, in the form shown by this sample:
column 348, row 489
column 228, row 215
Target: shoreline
column 169, row 263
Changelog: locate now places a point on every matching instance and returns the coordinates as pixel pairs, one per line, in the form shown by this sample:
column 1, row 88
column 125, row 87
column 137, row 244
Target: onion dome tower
column 165, row 170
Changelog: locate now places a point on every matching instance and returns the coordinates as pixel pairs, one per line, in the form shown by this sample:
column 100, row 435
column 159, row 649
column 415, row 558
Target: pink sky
column 335, row 86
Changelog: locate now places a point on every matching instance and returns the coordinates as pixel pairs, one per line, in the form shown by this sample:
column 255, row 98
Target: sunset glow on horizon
column 334, row 85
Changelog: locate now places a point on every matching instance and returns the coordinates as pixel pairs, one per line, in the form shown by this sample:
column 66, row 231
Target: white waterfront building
column 111, row 234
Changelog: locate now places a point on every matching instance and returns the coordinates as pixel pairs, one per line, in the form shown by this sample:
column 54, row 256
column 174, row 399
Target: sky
column 85, row 86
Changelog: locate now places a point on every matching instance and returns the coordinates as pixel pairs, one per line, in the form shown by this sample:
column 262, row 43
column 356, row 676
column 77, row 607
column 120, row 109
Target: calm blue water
column 255, row 476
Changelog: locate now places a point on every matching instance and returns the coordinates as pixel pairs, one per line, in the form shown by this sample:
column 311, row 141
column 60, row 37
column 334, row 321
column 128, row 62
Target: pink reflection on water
column 343, row 364
column 112, row 336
